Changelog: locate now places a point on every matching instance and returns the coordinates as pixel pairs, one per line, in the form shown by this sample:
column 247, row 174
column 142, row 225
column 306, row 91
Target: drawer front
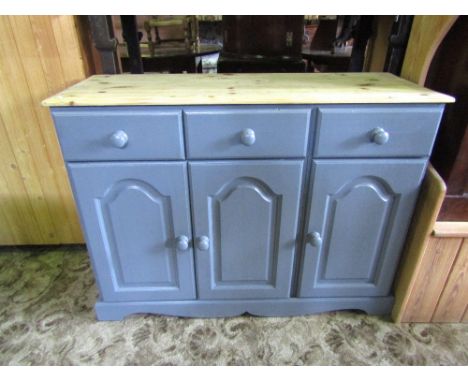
column 376, row 131
column 131, row 134
column 247, row 133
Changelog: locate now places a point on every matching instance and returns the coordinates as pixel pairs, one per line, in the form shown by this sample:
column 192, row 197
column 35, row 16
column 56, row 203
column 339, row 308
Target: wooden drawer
column 246, row 132
column 119, row 133
column 373, row 131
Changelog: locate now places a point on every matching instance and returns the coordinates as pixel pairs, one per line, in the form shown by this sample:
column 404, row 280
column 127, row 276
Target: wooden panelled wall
column 440, row 290
column 432, row 284
column 39, row 56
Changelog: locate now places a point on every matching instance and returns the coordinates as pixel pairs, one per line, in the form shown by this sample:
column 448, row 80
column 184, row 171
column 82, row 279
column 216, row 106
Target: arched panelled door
column 358, row 217
column 138, row 221
column 245, row 226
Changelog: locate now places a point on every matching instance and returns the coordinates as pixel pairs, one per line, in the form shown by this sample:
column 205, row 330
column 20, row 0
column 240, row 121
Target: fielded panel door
column 136, row 218
column 245, row 224
column 358, row 215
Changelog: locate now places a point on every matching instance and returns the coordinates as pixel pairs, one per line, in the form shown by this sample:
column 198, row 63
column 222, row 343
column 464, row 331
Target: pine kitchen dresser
column 271, row 194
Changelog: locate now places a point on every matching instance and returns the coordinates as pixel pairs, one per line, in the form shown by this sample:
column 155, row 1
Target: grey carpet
column 47, row 318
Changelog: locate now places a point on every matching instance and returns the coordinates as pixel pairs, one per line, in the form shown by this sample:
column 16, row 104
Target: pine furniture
column 271, row 194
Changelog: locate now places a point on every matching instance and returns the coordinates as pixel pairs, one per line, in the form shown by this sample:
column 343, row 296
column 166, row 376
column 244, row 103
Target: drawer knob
column 182, row 242
column 314, row 239
column 203, row 243
column 119, row 139
column 248, row 137
column 379, row 136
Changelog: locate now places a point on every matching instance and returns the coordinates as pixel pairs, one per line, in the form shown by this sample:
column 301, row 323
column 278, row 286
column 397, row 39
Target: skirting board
column 224, row 308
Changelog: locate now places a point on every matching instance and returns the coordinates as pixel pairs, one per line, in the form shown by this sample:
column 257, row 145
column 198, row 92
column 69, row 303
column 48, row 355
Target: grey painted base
column 227, row 308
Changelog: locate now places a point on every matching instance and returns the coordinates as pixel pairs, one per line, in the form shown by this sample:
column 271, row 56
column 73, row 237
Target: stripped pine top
column 264, row 88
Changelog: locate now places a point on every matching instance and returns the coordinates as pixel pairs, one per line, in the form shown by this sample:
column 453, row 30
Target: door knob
column 182, row 242
column 119, row 139
column 314, row 239
column 203, row 243
column 248, row 137
column 379, row 136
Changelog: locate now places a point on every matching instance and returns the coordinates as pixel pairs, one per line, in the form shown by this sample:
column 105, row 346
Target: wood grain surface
column 427, row 32
column 39, row 55
column 435, row 268
column 430, row 199
column 432, row 282
column 454, row 299
column 246, row 88
column 439, row 284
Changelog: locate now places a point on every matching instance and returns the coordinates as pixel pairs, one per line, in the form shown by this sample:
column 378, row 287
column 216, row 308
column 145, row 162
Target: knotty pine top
column 238, row 89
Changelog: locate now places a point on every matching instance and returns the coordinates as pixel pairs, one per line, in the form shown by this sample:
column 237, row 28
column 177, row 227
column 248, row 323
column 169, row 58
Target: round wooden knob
column 314, row 239
column 203, row 243
column 182, row 243
column 379, row 136
column 248, row 137
column 119, row 139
